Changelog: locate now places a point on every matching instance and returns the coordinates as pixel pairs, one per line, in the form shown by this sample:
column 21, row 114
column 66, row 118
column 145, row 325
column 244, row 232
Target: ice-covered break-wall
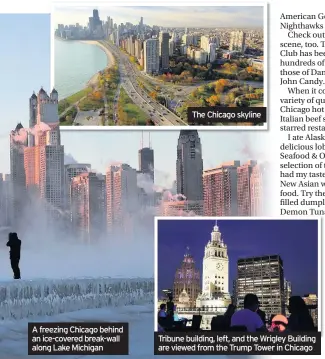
column 26, row 299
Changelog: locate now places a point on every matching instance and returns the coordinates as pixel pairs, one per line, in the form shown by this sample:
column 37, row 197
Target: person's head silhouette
column 251, row 302
column 297, row 305
column 14, row 236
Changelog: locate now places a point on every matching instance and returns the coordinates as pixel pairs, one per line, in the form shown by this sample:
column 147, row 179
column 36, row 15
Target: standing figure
column 14, row 243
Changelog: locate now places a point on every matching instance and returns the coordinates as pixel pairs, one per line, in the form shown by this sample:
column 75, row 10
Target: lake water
column 75, row 63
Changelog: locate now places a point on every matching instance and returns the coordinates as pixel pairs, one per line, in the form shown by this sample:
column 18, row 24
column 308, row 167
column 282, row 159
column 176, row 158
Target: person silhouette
column 14, row 243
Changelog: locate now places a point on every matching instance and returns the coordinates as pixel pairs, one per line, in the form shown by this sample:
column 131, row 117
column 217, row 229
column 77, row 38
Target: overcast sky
column 171, row 16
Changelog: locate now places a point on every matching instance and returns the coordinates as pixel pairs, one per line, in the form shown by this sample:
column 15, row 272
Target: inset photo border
column 130, row 67
column 205, row 266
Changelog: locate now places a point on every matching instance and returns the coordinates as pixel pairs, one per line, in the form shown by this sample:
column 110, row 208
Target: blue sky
column 25, row 66
column 171, row 16
column 100, row 148
column 26, row 63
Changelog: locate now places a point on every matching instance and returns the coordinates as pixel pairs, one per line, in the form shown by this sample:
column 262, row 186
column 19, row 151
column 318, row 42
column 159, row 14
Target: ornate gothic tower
column 215, row 278
column 187, row 281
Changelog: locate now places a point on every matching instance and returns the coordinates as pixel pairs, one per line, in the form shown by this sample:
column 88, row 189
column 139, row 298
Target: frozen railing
column 45, row 297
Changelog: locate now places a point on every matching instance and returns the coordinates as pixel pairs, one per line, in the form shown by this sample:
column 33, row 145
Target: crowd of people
column 249, row 319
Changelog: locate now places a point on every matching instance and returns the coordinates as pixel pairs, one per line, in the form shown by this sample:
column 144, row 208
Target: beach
column 110, row 60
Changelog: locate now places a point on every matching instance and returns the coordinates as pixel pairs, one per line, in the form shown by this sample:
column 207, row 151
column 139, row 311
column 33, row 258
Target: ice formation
column 33, row 298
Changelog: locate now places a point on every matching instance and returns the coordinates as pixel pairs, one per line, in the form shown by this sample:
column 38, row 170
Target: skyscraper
column 215, row 275
column 215, row 278
column 258, row 187
column 244, row 173
column 121, row 196
column 146, row 162
column 70, row 171
column 151, row 56
column 220, row 190
column 237, row 41
column 187, row 281
column 262, row 276
column 18, row 142
column 189, row 165
column 44, row 158
column 88, row 205
column 164, row 50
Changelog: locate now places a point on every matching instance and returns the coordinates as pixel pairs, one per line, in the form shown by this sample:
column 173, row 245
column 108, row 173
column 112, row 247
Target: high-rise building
column 146, row 162
column 88, row 203
column 44, row 159
column 220, row 190
column 257, row 190
column 215, row 275
column 164, row 50
column 215, row 278
column 237, row 41
column 244, row 173
column 70, row 171
column 287, row 295
column 187, row 281
column 121, row 196
column 5, row 200
column 151, row 56
column 311, row 301
column 262, row 276
column 189, row 165
column 18, row 142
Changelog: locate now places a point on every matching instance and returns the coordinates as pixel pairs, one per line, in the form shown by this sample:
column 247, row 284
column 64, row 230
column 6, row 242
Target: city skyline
column 171, row 16
column 215, row 149
column 27, row 75
column 174, row 236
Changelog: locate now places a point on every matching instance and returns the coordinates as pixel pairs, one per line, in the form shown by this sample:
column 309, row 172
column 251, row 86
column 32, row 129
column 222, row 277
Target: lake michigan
column 75, row 63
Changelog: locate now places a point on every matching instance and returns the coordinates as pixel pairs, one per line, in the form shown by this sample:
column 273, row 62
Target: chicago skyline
column 122, row 197
column 244, row 239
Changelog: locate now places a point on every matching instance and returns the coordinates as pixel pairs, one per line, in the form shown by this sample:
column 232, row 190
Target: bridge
column 22, row 299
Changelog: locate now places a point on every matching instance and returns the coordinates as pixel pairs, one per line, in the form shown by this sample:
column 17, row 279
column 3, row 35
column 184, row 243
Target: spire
column 187, row 252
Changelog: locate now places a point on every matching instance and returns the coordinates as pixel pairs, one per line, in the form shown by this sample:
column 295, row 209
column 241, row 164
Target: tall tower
column 187, row 280
column 215, row 276
column 146, row 161
column 220, row 190
column 87, row 198
column 189, row 165
column 164, row 50
column 151, row 56
column 121, row 196
column 32, row 118
column 244, row 173
column 18, row 142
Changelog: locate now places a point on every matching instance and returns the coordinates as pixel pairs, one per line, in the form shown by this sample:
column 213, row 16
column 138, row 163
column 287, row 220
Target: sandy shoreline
column 110, row 60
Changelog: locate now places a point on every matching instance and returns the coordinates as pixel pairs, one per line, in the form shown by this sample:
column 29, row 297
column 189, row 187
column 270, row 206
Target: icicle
column 44, row 297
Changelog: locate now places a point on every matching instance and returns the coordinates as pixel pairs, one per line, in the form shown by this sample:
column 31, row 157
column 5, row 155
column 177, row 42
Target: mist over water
column 53, row 251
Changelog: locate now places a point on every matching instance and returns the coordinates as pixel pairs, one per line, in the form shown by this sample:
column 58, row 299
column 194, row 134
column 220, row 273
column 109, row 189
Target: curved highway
column 159, row 115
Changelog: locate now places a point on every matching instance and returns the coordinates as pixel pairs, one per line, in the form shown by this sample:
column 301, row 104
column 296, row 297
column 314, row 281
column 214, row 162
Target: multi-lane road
column 159, row 115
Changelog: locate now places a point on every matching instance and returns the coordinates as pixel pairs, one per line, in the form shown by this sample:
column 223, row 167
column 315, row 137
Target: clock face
column 220, row 266
column 192, row 138
column 184, row 139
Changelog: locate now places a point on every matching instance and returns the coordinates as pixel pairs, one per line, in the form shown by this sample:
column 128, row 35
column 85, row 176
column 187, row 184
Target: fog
column 53, row 250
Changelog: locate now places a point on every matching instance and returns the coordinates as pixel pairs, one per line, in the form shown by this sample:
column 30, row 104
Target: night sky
column 294, row 240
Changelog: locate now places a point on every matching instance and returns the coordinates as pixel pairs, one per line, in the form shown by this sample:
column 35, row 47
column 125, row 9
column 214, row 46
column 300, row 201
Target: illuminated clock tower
column 215, row 276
